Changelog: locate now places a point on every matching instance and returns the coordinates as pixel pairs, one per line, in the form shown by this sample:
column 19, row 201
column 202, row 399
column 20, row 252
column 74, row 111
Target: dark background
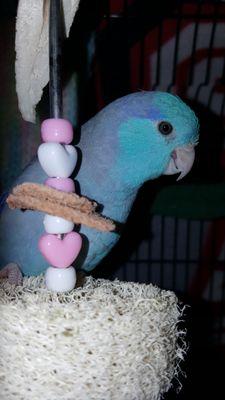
column 115, row 48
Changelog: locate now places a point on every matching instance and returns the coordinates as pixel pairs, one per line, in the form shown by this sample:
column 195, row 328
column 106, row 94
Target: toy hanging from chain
column 60, row 245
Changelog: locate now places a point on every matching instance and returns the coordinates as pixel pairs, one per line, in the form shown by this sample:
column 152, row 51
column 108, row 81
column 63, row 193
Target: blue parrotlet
column 135, row 138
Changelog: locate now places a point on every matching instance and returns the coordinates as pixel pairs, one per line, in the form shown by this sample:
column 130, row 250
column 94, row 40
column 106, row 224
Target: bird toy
column 60, row 245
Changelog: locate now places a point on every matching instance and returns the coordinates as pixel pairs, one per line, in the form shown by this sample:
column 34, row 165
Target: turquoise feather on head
column 143, row 149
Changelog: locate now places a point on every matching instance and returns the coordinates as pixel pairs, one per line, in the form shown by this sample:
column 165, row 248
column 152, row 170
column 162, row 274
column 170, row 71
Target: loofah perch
column 103, row 341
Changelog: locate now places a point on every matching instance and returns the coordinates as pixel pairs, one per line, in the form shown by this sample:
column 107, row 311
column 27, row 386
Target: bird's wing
column 95, row 247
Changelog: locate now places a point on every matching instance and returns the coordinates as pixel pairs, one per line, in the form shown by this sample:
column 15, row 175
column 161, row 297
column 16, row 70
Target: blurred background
column 175, row 236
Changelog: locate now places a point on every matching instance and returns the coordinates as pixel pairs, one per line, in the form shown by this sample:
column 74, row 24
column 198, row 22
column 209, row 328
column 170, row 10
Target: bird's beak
column 181, row 161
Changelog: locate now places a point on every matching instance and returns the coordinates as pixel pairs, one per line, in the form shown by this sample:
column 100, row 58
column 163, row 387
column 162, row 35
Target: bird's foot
column 12, row 272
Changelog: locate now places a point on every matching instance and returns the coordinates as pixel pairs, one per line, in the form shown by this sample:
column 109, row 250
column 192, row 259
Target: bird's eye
column 165, row 128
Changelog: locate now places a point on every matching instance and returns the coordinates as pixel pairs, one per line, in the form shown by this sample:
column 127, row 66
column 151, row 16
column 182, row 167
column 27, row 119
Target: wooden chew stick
column 44, row 192
column 77, row 209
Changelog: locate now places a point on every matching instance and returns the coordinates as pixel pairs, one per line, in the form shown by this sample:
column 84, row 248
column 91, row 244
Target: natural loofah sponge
column 103, row 341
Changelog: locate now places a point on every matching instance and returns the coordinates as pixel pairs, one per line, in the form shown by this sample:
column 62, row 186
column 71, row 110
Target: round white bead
column 60, row 279
column 57, row 225
column 57, row 160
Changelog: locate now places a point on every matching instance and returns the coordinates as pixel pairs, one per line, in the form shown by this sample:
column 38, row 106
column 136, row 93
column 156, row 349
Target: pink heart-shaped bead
column 58, row 252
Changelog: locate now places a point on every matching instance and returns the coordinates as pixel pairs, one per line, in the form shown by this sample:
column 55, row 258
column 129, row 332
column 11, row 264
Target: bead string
column 60, row 245
column 58, row 159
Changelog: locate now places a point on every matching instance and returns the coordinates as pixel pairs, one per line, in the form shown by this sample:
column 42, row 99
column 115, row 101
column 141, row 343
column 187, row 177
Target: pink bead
column 64, row 184
column 57, row 130
column 60, row 253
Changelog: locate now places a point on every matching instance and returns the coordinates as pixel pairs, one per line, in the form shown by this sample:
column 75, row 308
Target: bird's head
column 157, row 133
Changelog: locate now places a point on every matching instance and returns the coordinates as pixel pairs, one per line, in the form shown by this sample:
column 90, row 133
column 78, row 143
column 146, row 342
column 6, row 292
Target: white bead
column 57, row 160
column 60, row 279
column 57, row 225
